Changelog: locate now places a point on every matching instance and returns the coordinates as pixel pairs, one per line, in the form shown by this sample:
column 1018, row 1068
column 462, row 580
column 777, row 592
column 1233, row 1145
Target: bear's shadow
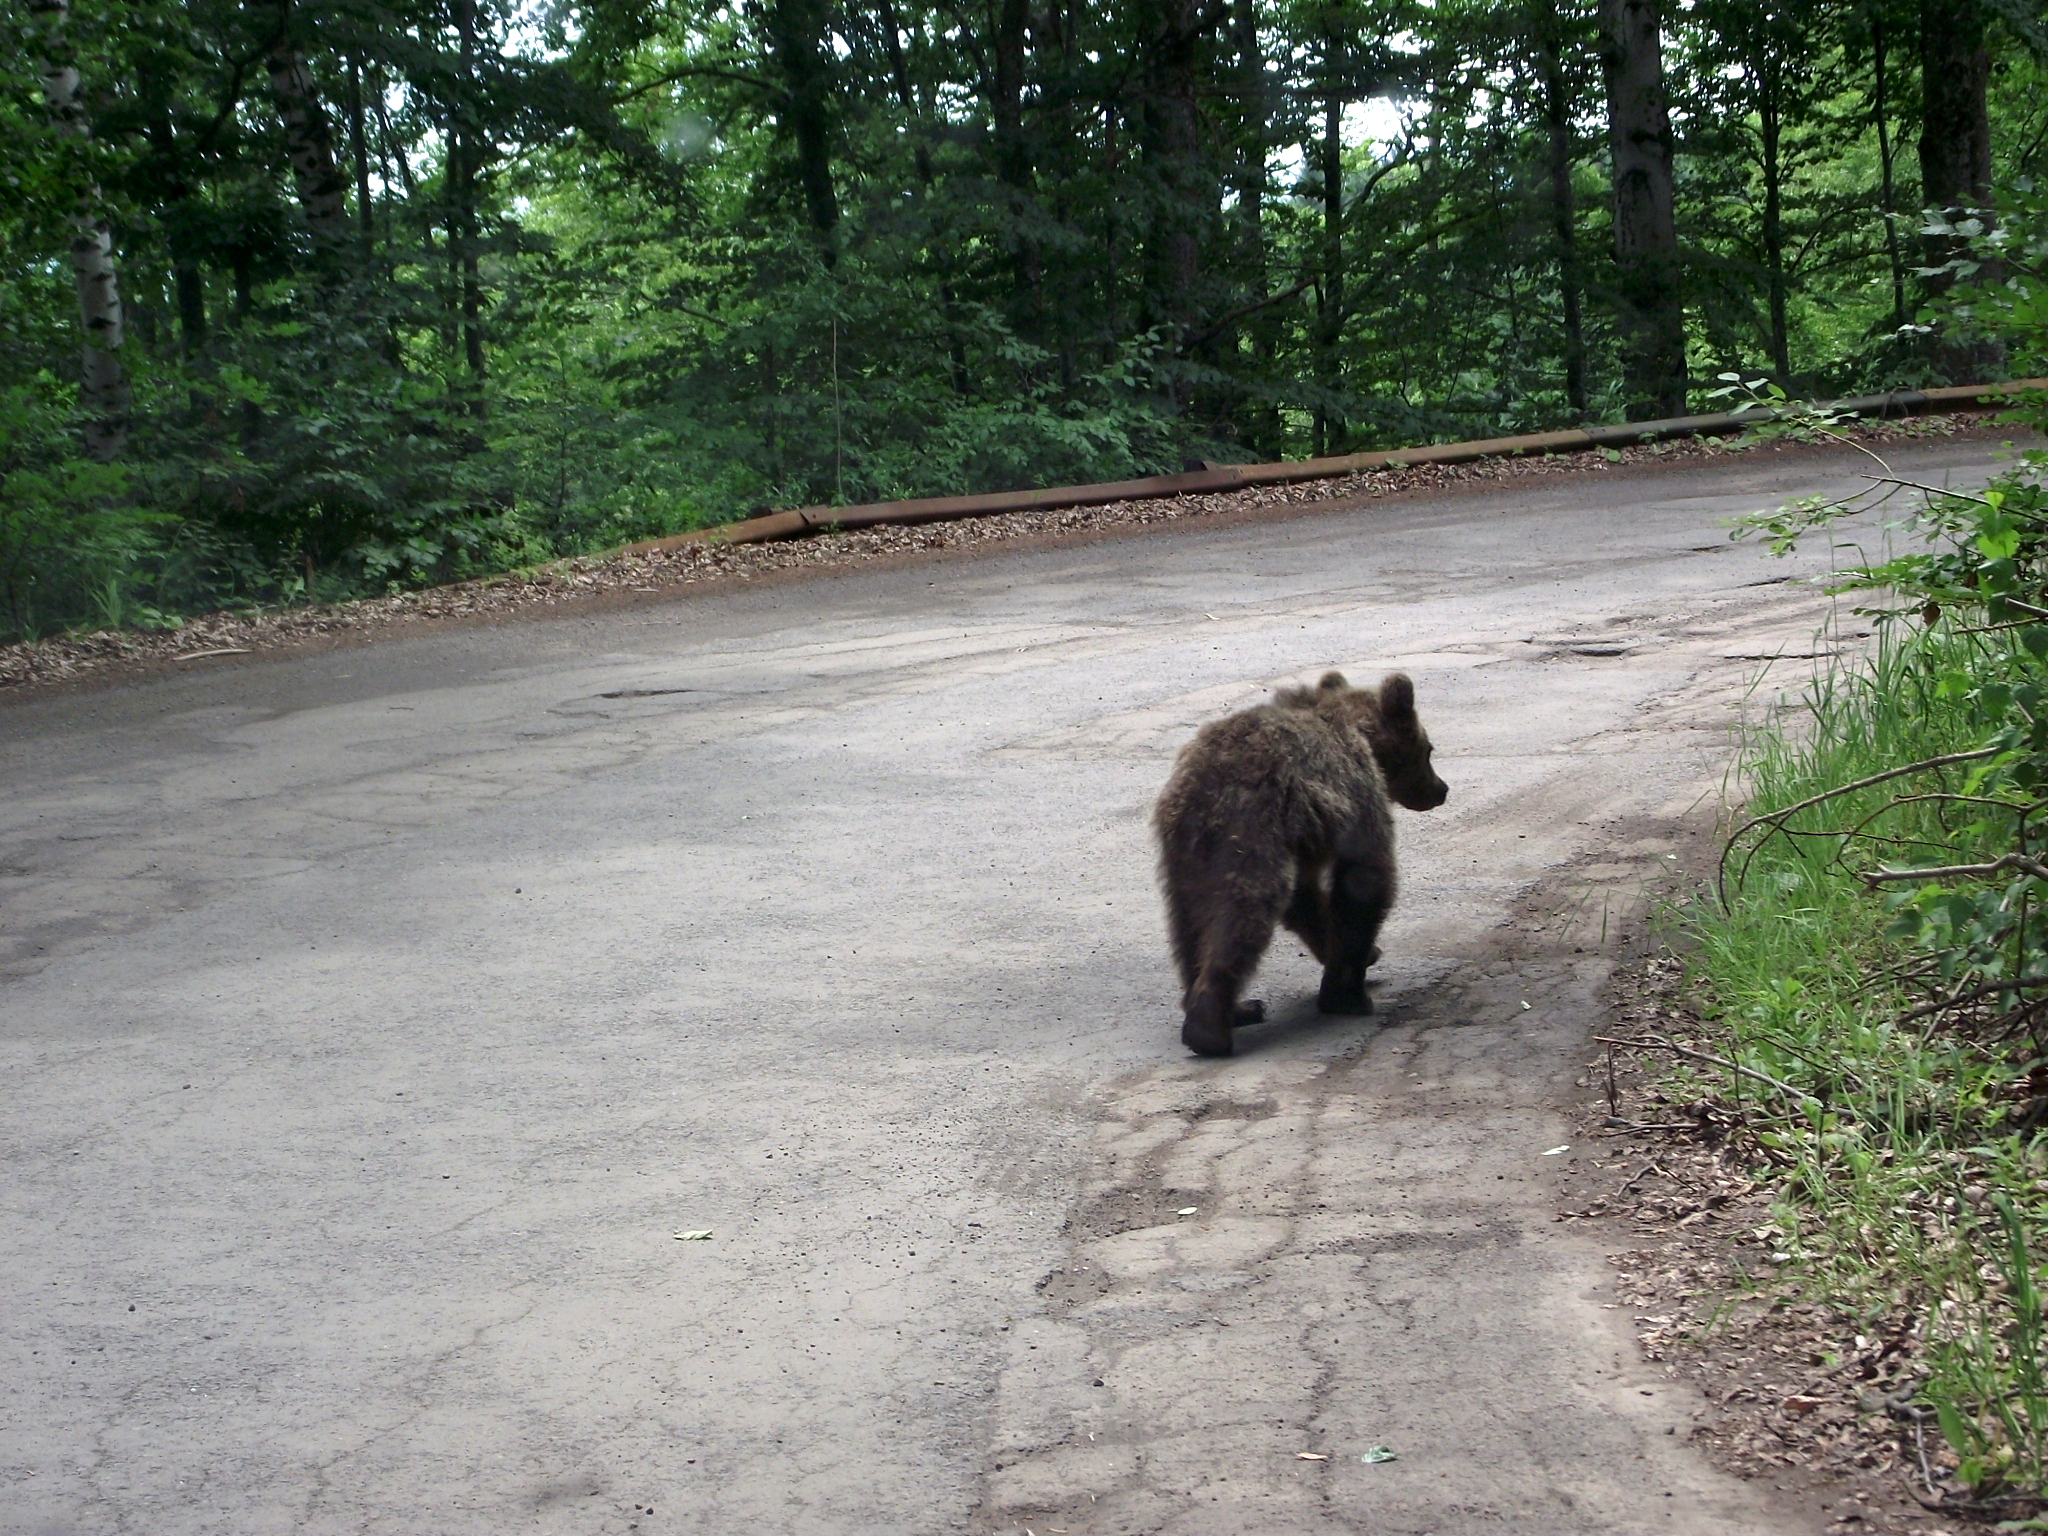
column 1296, row 1016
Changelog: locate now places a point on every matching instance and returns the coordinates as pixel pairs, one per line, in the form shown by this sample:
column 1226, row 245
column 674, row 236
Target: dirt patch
column 621, row 577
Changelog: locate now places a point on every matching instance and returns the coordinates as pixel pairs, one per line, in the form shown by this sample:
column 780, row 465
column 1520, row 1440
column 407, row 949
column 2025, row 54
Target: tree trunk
column 1880, row 114
column 899, row 72
column 1263, row 429
column 1329, row 426
column 1955, row 159
column 308, row 144
column 191, row 289
column 1557, row 128
column 797, row 31
column 1055, row 161
column 359, row 157
column 102, row 386
column 462, row 227
column 188, row 280
column 1169, row 39
column 1770, row 126
column 1013, row 162
column 1645, row 232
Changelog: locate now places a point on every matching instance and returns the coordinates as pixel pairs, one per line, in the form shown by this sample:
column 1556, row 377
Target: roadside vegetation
column 1873, row 982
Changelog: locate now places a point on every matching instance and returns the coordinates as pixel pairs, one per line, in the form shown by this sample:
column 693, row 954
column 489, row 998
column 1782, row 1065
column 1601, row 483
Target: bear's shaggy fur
column 1279, row 815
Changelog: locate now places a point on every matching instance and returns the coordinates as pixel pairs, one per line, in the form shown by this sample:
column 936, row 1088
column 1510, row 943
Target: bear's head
column 1386, row 716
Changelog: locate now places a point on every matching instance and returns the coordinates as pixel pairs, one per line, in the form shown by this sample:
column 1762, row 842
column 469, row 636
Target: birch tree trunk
column 1645, row 230
column 308, row 144
column 464, row 157
column 102, row 386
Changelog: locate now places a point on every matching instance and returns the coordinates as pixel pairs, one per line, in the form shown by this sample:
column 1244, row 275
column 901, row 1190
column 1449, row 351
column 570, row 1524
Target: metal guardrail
column 1230, row 477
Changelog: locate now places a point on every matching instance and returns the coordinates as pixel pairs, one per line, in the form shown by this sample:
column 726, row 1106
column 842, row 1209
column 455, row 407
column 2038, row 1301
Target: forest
column 306, row 299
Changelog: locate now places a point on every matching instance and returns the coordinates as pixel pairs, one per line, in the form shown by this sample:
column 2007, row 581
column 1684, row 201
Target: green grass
column 1913, row 1197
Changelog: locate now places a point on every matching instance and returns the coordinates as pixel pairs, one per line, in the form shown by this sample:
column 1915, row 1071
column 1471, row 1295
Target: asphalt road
column 373, row 1021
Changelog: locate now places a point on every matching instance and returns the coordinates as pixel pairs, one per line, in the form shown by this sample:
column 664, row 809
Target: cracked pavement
column 371, row 1022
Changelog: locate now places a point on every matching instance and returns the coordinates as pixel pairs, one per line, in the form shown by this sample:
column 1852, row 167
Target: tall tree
column 798, row 33
column 103, row 385
column 1547, row 32
column 1955, row 158
column 1328, row 150
column 1881, row 106
column 1651, row 296
column 1182, row 186
column 1764, row 71
column 466, row 147
column 1013, row 159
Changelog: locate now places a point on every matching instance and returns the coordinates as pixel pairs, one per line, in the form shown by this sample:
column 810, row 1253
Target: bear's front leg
column 1360, row 896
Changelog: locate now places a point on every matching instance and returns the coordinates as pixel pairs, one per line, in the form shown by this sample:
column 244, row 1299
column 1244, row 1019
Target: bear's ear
column 1397, row 697
column 1332, row 681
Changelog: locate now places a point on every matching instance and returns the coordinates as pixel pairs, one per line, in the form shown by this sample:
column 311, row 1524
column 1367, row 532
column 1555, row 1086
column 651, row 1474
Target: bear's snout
column 1415, row 793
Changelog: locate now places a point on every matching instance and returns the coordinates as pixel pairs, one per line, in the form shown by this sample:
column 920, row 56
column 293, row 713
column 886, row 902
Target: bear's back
column 1291, row 772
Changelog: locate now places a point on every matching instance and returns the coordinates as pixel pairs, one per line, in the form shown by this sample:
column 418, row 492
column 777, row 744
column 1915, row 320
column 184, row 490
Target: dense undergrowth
column 1877, row 968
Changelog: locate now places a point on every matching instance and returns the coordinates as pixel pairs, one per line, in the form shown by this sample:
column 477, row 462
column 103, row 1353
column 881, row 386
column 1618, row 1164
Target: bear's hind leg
column 1360, row 896
column 1186, row 936
column 1231, row 948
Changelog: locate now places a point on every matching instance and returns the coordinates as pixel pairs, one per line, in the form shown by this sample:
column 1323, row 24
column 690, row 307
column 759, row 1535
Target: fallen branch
column 1776, row 818
column 1658, row 1043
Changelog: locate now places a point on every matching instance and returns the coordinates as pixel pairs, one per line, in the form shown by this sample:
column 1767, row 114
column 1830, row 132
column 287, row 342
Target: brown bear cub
column 1279, row 815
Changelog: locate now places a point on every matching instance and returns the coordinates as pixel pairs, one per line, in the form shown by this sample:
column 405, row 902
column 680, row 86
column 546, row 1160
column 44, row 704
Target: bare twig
column 1658, row 1043
column 1930, row 490
column 1630, row 1127
column 2010, row 984
column 2019, row 861
column 1646, row 1168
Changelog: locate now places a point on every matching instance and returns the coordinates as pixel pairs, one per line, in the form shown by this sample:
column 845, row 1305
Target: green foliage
column 58, row 554
column 602, row 271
